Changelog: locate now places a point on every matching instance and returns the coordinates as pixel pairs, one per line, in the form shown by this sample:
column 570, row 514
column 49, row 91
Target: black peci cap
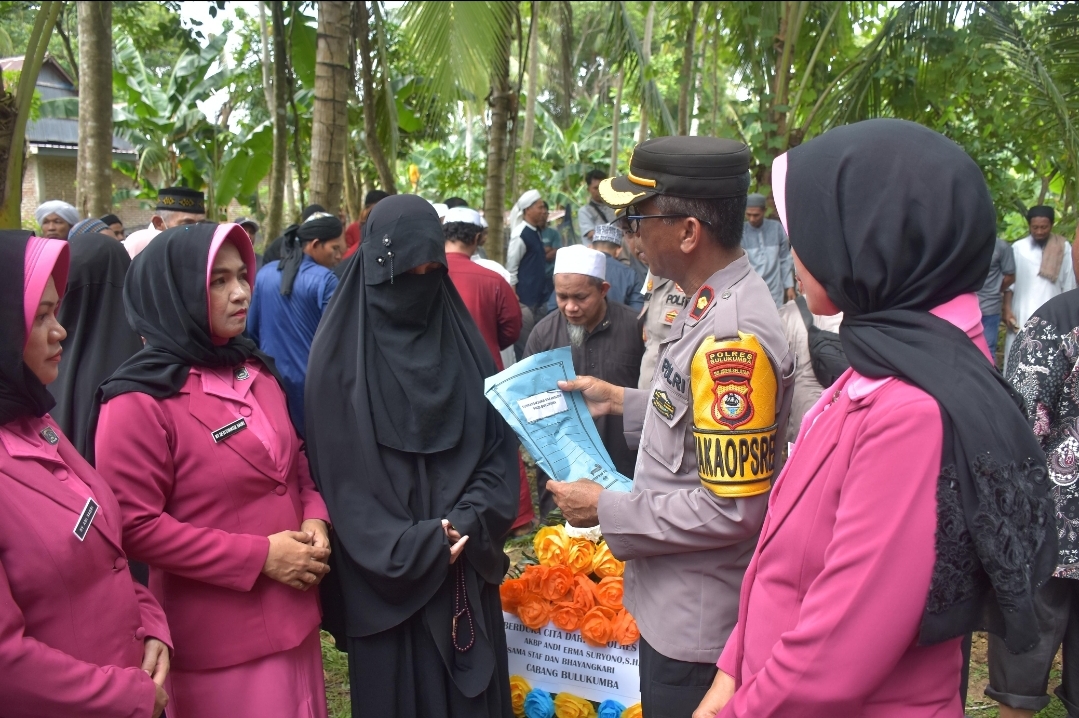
column 695, row 167
column 181, row 199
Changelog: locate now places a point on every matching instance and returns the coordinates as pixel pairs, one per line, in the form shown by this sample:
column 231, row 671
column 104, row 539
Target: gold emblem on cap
column 642, row 181
column 615, row 198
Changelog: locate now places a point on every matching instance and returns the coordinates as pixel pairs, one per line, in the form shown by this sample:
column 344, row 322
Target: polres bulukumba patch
column 734, row 415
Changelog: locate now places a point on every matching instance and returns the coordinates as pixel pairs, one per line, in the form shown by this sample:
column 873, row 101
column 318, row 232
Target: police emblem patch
column 662, row 404
column 731, row 371
column 734, row 415
column 703, row 300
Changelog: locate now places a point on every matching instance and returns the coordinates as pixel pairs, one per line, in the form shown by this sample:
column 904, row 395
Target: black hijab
column 319, row 226
column 21, row 392
column 99, row 338
column 894, row 219
column 400, row 436
column 166, row 303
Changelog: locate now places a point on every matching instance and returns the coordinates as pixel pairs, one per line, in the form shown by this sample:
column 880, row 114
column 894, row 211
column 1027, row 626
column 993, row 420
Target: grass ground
column 520, row 553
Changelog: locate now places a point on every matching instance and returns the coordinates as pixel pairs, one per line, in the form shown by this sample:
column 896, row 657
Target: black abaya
column 400, row 437
column 99, row 337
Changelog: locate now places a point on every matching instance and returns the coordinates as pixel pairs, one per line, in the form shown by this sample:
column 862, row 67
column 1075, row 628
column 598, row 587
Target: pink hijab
column 44, row 258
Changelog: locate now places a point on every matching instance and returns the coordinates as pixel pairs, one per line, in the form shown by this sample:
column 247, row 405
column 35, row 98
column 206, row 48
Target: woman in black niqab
column 400, row 437
column 885, row 257
column 99, row 337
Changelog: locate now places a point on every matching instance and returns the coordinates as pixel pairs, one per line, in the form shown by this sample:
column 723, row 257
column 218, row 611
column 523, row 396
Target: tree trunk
column 370, row 129
column 568, row 79
column 15, row 111
column 329, row 121
column 93, row 179
column 276, row 99
column 617, row 120
column 494, row 193
column 646, row 56
column 685, row 103
column 530, row 98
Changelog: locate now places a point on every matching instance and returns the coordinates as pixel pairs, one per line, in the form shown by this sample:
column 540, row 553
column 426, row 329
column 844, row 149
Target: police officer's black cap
column 181, row 199
column 693, row 167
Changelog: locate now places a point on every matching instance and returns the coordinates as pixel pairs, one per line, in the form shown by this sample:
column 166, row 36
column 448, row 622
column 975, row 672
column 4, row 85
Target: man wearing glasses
column 711, row 427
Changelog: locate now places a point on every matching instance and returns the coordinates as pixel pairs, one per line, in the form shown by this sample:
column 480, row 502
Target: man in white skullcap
column 603, row 337
column 765, row 244
column 525, row 256
column 56, row 218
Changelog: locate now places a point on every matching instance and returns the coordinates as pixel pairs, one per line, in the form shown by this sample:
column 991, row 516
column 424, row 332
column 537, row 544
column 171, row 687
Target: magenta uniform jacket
column 199, row 512
column 72, row 620
column 834, row 596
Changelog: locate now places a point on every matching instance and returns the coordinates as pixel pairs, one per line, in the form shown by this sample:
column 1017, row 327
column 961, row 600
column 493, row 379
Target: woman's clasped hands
column 299, row 558
column 457, row 541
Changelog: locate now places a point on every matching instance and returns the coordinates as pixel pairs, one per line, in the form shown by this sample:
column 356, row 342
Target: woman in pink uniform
column 78, row 636
column 913, row 507
column 194, row 437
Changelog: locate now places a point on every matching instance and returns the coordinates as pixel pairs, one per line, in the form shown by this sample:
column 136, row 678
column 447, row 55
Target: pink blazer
column 199, row 513
column 72, row 620
column 832, row 601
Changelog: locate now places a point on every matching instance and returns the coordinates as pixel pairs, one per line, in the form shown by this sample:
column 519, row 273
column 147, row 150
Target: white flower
column 591, row 533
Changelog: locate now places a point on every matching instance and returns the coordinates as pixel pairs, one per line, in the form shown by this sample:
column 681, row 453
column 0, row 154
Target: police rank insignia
column 662, row 403
column 701, row 302
column 734, row 416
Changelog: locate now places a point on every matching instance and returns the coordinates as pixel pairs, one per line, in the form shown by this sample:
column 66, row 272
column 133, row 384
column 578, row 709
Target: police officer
column 710, row 426
column 663, row 300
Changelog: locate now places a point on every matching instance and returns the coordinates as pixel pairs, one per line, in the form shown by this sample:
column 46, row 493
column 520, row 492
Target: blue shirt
column 284, row 327
column 769, row 254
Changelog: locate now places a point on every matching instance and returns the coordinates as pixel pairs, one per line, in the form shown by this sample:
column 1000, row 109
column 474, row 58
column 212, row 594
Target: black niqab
column 894, row 219
column 99, row 338
column 166, row 303
column 400, row 436
column 21, row 392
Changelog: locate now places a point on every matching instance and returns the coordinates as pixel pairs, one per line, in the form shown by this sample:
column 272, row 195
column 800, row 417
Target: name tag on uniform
column 86, row 518
column 228, row 430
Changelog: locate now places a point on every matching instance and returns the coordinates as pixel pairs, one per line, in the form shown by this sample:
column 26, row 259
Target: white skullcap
column 61, row 209
column 578, row 259
column 466, row 215
column 137, row 241
column 607, row 233
column 528, row 199
column 440, row 209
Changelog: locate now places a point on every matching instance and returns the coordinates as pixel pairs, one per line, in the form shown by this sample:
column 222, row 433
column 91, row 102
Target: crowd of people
column 207, row 454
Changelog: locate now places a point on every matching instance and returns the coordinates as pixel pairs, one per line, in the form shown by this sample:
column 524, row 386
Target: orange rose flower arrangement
column 570, row 706
column 567, row 616
column 579, row 557
column 634, row 711
column 596, row 628
column 512, row 591
column 609, row 592
column 552, row 546
column 624, row 629
column 557, row 583
column 519, row 688
column 584, row 593
column 534, row 611
column 604, row 564
column 534, row 576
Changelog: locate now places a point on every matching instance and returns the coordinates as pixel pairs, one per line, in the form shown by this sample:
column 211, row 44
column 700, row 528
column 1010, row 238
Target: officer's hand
column 602, row 398
column 717, row 697
column 579, row 501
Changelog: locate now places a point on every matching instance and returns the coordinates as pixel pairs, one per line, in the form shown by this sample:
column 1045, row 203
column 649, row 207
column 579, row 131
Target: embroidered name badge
column 228, row 430
column 49, row 435
column 242, row 373
column 86, row 518
column 662, row 404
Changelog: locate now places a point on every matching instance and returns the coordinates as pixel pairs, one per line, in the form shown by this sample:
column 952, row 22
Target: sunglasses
column 631, row 223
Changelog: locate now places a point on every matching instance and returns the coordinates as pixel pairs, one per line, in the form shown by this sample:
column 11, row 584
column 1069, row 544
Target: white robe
column 1030, row 290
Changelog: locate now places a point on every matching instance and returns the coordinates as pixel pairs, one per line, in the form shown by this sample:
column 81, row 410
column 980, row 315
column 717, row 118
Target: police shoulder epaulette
column 734, row 415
